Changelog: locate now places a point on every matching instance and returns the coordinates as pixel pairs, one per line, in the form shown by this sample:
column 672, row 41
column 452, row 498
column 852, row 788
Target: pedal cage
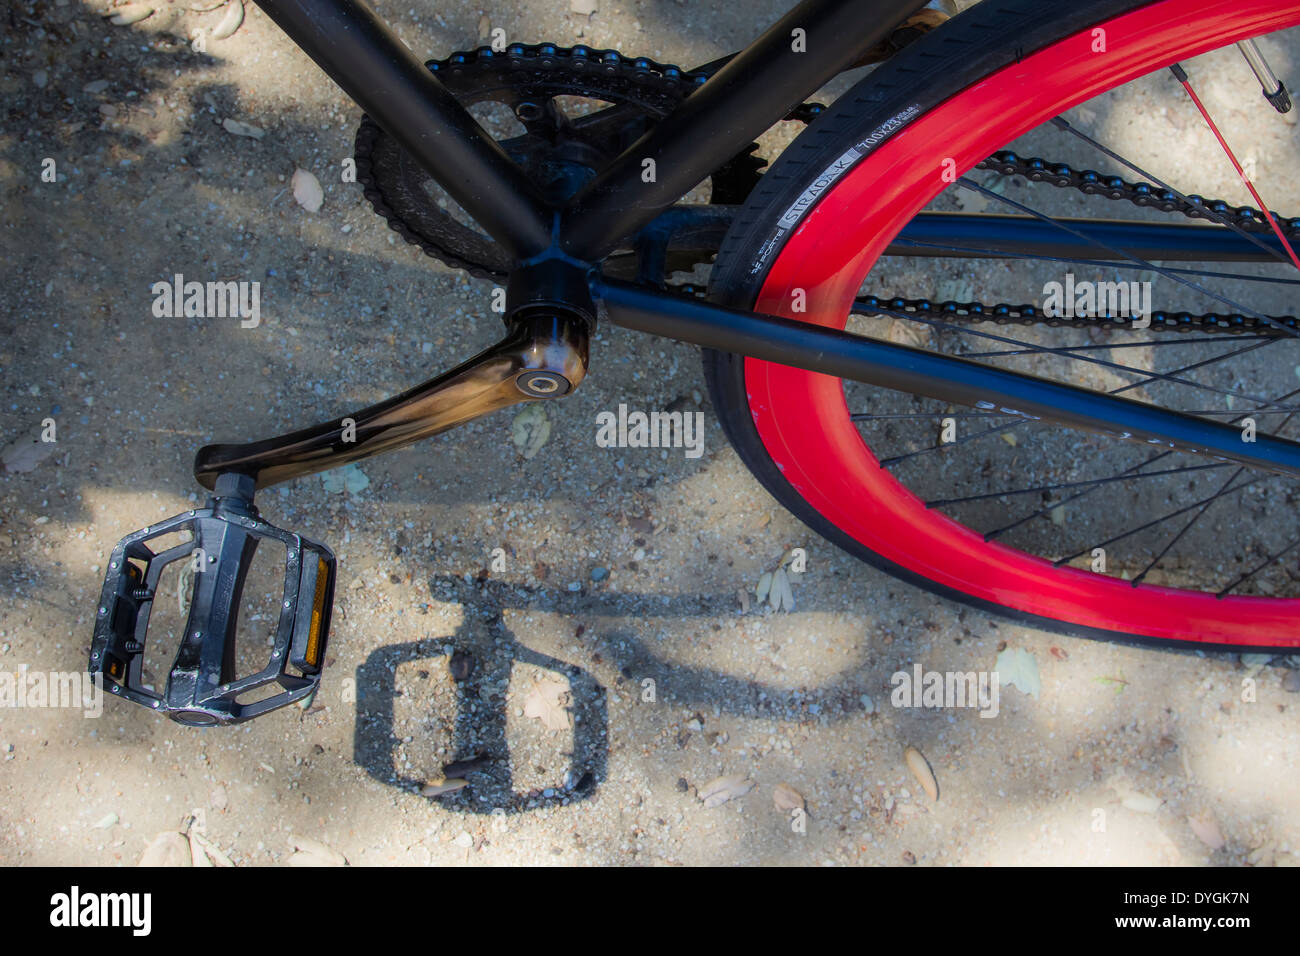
column 202, row 688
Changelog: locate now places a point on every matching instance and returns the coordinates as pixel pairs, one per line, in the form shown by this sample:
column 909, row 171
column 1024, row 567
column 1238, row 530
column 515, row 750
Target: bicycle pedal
column 202, row 687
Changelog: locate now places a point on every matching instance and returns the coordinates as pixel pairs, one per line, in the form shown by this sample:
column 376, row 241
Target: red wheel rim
column 803, row 419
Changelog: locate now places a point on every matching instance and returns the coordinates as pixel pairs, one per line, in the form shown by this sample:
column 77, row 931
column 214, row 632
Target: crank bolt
column 542, row 384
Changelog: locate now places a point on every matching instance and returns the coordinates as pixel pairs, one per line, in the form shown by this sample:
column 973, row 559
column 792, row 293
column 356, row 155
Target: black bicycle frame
column 752, row 91
column 349, row 42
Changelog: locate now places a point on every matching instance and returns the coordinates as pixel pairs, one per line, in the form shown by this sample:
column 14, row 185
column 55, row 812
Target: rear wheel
column 1014, row 516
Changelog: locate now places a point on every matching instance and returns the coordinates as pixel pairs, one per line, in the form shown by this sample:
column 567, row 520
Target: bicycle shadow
column 479, row 733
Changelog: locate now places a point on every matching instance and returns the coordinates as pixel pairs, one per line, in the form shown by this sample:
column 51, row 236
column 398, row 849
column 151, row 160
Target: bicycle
column 580, row 216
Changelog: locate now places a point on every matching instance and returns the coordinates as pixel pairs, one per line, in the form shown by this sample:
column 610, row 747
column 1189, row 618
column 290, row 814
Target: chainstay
column 1004, row 314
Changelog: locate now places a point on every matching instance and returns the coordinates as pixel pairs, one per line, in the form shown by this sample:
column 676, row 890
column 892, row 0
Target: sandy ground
column 670, row 685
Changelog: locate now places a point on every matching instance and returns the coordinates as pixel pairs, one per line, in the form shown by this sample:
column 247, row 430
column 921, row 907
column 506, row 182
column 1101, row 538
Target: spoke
column 1129, row 472
column 1281, row 410
column 1147, row 373
column 1200, row 364
column 1182, row 78
column 1254, row 571
column 1216, row 339
column 896, row 459
column 869, row 416
column 1245, row 577
column 945, row 502
column 1160, row 270
column 1060, row 123
column 1163, row 518
column 1186, row 528
column 1195, row 518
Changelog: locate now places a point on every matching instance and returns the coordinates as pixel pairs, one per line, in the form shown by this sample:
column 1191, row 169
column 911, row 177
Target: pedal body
column 203, row 688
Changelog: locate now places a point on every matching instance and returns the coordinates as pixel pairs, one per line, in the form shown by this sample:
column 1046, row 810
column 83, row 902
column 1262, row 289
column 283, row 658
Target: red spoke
column 1182, row 78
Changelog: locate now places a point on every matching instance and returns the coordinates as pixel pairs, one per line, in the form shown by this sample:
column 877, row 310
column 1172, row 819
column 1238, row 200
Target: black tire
column 963, row 51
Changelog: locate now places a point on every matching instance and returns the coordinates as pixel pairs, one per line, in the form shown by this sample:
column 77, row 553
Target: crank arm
column 544, row 356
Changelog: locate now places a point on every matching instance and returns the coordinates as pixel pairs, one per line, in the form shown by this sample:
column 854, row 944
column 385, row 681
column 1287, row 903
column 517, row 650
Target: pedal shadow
column 479, row 732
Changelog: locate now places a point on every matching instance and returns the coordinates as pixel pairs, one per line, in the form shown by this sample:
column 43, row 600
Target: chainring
column 558, row 152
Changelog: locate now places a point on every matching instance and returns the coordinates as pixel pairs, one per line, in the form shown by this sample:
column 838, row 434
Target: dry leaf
column 717, row 792
column 436, row 788
column 314, row 853
column 1141, row 803
column 531, row 429
column 781, row 589
column 197, row 855
column 25, row 453
column 212, row 851
column 1207, row 830
column 237, row 128
column 131, row 13
column 922, row 771
column 230, row 22
column 764, row 586
column 306, row 190
column 1018, row 668
column 787, row 798
column 545, row 702
column 169, row 848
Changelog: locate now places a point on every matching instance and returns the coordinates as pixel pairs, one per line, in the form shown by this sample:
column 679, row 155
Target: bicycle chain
column 674, row 83
column 1090, row 182
column 1004, row 314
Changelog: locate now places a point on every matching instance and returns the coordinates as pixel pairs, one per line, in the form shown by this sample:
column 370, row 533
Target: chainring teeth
column 517, row 74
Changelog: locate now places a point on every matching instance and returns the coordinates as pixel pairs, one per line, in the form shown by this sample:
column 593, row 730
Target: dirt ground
column 622, row 566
